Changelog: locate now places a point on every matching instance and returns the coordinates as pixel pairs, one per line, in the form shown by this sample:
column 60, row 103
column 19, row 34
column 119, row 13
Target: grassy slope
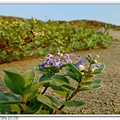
column 90, row 23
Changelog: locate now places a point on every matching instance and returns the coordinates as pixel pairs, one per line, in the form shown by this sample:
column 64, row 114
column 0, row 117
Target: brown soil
column 105, row 100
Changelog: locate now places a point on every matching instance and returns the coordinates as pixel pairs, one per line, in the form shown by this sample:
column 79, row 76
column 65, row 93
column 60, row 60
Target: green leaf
column 89, row 82
column 33, row 109
column 57, row 87
column 73, row 103
column 36, row 86
column 46, row 100
column 60, row 90
column 31, row 95
column 14, row 81
column 29, row 77
column 90, row 87
column 73, row 74
column 47, row 109
column 71, row 66
column 44, row 78
column 9, row 103
column 61, row 78
column 11, row 99
column 56, row 101
column 68, row 86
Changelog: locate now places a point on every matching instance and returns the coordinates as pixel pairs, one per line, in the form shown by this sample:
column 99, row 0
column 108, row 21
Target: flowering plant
column 26, row 96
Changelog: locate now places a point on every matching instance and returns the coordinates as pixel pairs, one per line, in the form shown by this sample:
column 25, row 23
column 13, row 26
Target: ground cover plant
column 22, row 38
column 25, row 96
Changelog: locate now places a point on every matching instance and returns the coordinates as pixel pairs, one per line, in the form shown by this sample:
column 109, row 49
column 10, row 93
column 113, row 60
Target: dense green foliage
column 20, row 38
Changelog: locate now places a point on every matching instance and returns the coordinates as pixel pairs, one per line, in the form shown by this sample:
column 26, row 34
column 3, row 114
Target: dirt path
column 105, row 100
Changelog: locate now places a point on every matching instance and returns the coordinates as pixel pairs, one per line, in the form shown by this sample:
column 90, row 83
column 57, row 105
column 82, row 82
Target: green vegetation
column 21, row 38
column 27, row 97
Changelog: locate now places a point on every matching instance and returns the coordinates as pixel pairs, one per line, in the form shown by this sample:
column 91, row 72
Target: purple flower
column 57, row 62
column 42, row 66
column 47, row 62
column 80, row 62
column 67, row 58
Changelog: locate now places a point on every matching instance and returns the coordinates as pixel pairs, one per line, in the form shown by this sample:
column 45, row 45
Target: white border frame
column 61, row 2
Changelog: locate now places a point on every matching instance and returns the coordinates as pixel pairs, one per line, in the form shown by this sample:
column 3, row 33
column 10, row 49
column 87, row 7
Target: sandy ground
column 105, row 100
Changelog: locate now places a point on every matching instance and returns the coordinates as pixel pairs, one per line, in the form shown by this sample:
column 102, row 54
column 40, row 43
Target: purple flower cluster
column 64, row 58
column 57, row 62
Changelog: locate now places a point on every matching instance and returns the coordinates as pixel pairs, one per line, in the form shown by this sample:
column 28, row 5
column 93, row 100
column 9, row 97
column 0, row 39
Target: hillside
column 90, row 23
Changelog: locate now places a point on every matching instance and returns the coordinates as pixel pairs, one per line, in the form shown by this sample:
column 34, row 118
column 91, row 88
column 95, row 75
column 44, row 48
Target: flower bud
column 58, row 53
column 61, row 55
column 87, row 58
column 90, row 56
column 96, row 56
column 94, row 62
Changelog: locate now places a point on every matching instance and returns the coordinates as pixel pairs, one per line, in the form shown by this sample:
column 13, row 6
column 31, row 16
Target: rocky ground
column 105, row 100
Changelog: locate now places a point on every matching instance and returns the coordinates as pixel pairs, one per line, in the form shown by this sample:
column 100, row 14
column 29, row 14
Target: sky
column 108, row 13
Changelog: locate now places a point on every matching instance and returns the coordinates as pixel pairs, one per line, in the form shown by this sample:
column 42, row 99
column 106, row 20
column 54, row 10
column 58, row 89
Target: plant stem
column 23, row 108
column 88, row 73
column 72, row 95
column 89, row 67
column 44, row 90
column 23, row 105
